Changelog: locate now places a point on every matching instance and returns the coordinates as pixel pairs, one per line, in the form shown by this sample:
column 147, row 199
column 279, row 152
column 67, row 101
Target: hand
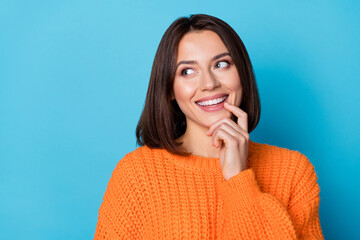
column 233, row 141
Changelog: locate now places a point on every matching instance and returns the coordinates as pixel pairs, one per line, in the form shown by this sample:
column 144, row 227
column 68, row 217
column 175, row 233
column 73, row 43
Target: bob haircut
column 162, row 121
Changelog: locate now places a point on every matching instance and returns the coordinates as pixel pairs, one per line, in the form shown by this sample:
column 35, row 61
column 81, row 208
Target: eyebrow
column 213, row 59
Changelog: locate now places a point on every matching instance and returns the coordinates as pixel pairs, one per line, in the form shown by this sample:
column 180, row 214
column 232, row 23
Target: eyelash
column 182, row 71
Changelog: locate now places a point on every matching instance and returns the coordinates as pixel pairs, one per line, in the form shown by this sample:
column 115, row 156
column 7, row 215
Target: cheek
column 232, row 83
column 184, row 91
column 230, row 79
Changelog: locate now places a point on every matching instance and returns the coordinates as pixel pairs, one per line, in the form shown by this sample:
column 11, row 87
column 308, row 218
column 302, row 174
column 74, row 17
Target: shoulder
column 266, row 157
column 281, row 171
column 266, row 152
column 137, row 161
column 140, row 155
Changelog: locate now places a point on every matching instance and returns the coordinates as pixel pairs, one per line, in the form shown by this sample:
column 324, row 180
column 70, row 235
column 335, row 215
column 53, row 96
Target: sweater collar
column 199, row 162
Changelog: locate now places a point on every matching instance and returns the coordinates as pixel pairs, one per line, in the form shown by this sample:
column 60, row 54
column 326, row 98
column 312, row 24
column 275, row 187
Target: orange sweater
column 154, row 194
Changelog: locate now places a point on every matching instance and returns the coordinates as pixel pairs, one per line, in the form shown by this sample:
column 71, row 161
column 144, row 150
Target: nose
column 208, row 81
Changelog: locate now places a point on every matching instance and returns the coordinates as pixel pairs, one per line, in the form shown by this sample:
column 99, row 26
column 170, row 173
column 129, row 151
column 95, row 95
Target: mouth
column 212, row 104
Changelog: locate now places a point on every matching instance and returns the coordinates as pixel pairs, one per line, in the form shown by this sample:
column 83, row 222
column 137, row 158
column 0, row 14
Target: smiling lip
column 214, row 107
column 212, row 97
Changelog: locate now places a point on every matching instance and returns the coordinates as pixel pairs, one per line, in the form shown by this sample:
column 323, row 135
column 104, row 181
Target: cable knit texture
column 153, row 194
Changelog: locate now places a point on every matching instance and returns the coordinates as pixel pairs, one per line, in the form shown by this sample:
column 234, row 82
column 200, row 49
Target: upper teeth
column 212, row 102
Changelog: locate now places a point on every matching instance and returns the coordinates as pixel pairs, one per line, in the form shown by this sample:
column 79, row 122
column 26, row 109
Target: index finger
column 240, row 114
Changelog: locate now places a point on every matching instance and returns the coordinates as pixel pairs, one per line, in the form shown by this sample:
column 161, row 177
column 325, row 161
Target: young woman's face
column 205, row 78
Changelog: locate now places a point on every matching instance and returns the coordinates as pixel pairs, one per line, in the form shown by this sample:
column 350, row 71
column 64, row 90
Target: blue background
column 73, row 79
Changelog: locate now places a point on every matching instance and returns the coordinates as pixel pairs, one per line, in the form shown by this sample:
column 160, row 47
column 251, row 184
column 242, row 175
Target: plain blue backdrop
column 73, row 79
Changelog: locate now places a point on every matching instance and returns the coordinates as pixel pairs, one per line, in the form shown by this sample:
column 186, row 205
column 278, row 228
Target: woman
column 197, row 174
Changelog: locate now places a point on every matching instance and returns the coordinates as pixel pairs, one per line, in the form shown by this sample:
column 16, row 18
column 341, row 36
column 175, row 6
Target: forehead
column 198, row 45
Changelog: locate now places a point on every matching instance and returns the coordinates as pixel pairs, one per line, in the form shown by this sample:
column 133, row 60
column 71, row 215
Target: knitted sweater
column 154, row 194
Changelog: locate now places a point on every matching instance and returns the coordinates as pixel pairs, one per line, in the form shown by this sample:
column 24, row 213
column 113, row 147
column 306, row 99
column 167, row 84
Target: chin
column 211, row 120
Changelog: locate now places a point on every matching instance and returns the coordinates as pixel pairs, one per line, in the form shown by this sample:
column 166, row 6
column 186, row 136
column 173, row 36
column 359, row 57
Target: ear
column 172, row 96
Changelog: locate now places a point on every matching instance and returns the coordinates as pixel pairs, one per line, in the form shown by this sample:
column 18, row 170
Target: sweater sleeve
column 249, row 213
column 119, row 211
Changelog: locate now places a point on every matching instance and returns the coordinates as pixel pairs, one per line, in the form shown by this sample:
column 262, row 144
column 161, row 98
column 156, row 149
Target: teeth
column 212, row 102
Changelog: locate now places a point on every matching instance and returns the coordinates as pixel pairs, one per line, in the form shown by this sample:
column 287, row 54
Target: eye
column 222, row 64
column 186, row 71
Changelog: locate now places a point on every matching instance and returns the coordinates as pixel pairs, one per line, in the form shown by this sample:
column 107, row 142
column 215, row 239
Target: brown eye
column 186, row 71
column 222, row 64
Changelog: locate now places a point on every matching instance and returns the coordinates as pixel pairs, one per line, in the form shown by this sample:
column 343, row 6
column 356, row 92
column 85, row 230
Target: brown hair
column 162, row 121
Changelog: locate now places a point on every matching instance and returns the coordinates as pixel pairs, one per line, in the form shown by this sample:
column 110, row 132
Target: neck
column 196, row 142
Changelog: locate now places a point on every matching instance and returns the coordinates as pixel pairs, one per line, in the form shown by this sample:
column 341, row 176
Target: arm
column 118, row 214
column 305, row 200
column 249, row 213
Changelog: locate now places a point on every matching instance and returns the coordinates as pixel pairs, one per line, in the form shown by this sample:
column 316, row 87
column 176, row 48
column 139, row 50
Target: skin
column 211, row 134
